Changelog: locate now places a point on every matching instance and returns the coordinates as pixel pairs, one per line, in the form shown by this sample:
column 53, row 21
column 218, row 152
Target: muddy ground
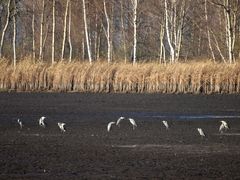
column 88, row 151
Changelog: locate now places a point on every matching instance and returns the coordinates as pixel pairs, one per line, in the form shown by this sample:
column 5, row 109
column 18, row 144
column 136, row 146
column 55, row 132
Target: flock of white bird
column 42, row 123
column 223, row 127
column 131, row 120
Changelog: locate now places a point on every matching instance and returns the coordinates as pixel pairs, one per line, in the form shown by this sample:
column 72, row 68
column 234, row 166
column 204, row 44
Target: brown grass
column 195, row 77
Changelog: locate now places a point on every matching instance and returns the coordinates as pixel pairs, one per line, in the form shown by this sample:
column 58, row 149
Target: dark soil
column 88, row 151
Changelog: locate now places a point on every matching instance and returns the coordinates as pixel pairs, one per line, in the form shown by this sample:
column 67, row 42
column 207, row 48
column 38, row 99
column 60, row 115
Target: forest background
column 120, row 45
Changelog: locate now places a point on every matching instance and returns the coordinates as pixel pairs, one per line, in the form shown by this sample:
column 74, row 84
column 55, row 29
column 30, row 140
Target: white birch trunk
column 230, row 29
column 179, row 43
column 230, row 25
column 96, row 36
column 69, row 31
column 5, row 27
column 53, row 31
column 107, row 33
column 86, row 32
column 199, row 43
column 172, row 54
column 111, row 32
column 41, row 31
column 218, row 48
column 161, row 35
column 179, row 32
column 135, row 3
column 175, row 29
column 33, row 33
column 233, row 25
column 208, row 33
column 14, row 36
column 83, row 46
column 45, row 38
column 164, row 55
column 99, row 43
column 123, row 33
column 64, row 30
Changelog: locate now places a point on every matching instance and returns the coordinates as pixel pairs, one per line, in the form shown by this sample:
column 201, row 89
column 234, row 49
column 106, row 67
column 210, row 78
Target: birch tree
column 230, row 8
column 83, row 45
column 96, row 34
column 33, row 32
column 107, row 32
column 123, row 32
column 41, row 31
column 208, row 32
column 86, row 32
column 53, row 31
column 179, row 28
column 65, row 29
column 69, row 31
column 172, row 53
column 14, row 34
column 135, row 4
column 230, row 17
column 5, row 27
column 112, row 29
column 161, row 47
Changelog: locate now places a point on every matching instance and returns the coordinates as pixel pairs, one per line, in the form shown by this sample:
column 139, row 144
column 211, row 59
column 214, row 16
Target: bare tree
column 230, row 15
column 86, row 32
column 218, row 48
column 135, row 5
column 83, row 45
column 5, row 27
column 45, row 36
column 41, row 31
column 172, row 53
column 161, row 48
column 179, row 28
column 14, row 34
column 53, row 31
column 107, row 32
column 96, row 34
column 33, row 32
column 123, row 32
column 69, row 31
column 208, row 33
column 230, row 26
column 65, row 29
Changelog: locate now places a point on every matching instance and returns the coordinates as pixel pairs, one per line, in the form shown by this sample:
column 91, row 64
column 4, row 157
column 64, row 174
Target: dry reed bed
column 195, row 77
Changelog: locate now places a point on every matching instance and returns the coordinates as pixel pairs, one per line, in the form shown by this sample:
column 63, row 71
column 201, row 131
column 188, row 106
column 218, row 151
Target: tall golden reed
column 194, row 77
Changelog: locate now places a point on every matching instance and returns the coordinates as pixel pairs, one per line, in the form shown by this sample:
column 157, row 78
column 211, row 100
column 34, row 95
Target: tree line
column 167, row 31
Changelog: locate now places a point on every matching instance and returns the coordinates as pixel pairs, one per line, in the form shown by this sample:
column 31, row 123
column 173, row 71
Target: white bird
column 119, row 120
column 61, row 126
column 20, row 123
column 132, row 121
column 223, row 126
column 41, row 122
column 109, row 126
column 166, row 124
column 201, row 132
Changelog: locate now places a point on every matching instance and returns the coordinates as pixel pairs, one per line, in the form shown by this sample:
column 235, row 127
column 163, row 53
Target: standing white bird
column 119, row 120
column 132, row 121
column 109, row 126
column 223, row 126
column 201, row 132
column 61, row 126
column 20, row 123
column 166, row 124
column 41, row 122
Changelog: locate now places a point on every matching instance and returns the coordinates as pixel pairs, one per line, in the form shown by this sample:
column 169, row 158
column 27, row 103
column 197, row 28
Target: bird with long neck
column 132, row 121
